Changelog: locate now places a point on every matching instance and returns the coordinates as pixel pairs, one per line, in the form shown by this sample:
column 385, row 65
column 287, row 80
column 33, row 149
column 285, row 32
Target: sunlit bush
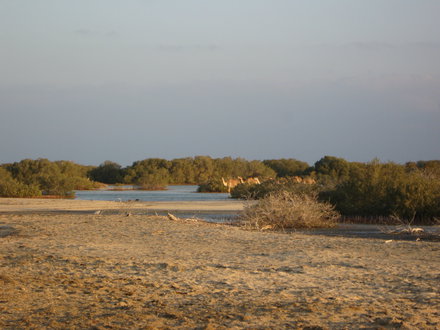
column 9, row 187
column 287, row 210
column 258, row 191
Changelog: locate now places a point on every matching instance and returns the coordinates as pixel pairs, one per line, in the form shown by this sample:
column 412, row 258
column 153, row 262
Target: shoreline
column 11, row 205
column 218, row 212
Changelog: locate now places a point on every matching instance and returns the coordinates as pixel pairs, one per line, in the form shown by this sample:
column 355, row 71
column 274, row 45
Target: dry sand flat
column 112, row 271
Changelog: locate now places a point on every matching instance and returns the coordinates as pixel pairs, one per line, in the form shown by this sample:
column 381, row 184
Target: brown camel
column 232, row 183
column 253, row 180
column 308, row 180
column 297, row 179
column 305, row 180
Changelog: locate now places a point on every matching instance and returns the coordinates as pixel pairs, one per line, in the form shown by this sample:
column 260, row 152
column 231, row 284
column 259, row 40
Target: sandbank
column 72, row 205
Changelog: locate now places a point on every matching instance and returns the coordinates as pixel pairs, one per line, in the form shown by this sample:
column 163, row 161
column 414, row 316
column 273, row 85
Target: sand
column 79, row 270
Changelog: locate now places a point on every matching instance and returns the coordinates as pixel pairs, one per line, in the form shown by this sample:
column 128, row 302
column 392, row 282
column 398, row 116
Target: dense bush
column 150, row 173
column 43, row 177
column 258, row 191
column 430, row 168
column 286, row 210
column 387, row 189
column 108, row 172
column 78, row 175
column 366, row 189
column 201, row 170
column 331, row 170
column 214, row 185
column 9, row 187
column 286, row 167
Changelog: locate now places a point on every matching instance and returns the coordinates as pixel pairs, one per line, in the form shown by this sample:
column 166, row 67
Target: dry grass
column 286, row 210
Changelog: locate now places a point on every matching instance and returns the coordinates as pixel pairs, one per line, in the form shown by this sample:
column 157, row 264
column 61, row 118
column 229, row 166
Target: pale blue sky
column 90, row 80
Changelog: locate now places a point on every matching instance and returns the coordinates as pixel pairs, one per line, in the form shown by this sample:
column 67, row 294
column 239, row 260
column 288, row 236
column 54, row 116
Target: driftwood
column 172, row 217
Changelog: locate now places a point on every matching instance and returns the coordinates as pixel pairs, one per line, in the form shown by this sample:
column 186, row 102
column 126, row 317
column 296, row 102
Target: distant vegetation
column 286, row 167
column 365, row 189
column 33, row 178
column 361, row 189
column 201, row 170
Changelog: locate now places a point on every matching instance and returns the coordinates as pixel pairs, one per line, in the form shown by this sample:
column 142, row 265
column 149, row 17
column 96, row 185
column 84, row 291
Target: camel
column 232, row 183
column 308, row 180
column 297, row 179
column 254, row 180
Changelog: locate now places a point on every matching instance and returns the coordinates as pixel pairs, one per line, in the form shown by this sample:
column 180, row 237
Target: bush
column 258, row 191
column 285, row 210
column 149, row 174
column 215, row 185
column 108, row 172
column 9, row 187
column 31, row 178
column 286, row 167
column 385, row 189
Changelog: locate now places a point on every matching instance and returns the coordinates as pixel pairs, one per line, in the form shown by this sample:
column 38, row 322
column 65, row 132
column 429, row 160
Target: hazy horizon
column 90, row 81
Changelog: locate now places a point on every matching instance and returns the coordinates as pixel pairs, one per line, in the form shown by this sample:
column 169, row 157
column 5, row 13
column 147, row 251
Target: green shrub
column 9, row 187
column 59, row 178
column 258, row 191
column 215, row 185
column 376, row 189
column 149, row 174
column 108, row 172
column 286, row 210
column 286, row 167
column 86, row 184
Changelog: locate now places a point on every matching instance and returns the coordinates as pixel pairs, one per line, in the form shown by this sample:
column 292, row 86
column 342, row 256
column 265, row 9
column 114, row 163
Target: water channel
column 171, row 194
column 185, row 193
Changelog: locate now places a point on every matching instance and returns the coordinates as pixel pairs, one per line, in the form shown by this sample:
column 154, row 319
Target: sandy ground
column 61, row 270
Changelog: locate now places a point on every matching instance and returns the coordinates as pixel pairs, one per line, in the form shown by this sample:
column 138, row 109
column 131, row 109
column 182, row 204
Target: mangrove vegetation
column 410, row 190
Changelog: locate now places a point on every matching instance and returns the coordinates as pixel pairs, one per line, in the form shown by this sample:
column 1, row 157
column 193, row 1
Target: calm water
column 174, row 193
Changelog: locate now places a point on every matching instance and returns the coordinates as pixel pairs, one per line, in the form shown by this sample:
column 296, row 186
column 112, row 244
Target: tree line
column 33, row 178
column 409, row 191
column 365, row 189
column 153, row 173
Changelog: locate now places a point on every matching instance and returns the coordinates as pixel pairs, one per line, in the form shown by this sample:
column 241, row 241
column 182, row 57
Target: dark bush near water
column 366, row 190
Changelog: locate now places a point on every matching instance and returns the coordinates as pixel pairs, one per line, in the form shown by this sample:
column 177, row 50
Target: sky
column 96, row 80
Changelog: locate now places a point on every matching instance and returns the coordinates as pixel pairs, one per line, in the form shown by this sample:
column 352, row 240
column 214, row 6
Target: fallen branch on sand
column 174, row 218
column 406, row 228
